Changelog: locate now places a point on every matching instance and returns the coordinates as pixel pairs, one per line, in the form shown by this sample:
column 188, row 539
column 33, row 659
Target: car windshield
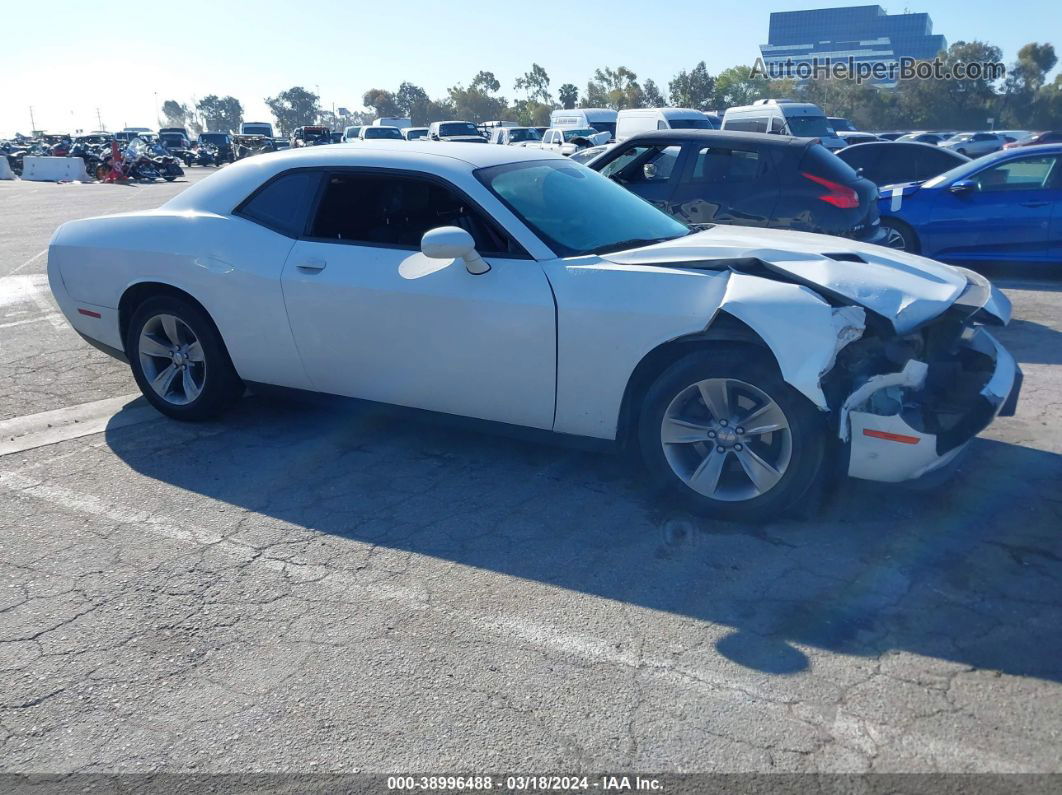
column 382, row 132
column 691, row 124
column 583, row 132
column 414, row 134
column 809, row 126
column 458, row 128
column 960, row 171
column 218, row 139
column 576, row 210
column 523, row 134
column 604, row 126
column 960, row 137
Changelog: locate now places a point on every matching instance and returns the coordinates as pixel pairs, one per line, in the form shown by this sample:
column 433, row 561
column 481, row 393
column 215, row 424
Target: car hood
column 903, row 288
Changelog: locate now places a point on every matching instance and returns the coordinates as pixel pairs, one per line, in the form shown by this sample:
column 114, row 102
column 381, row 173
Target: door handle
column 1034, row 204
column 312, row 265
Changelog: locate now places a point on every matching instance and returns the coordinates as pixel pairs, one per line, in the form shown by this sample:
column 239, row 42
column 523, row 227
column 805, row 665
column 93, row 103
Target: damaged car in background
column 510, row 285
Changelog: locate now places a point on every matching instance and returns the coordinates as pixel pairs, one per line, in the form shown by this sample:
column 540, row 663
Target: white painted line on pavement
column 39, row 319
column 72, row 422
column 29, row 262
column 31, row 287
column 21, row 289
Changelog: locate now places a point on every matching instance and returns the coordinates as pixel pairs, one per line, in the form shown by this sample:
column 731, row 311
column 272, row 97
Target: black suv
column 749, row 179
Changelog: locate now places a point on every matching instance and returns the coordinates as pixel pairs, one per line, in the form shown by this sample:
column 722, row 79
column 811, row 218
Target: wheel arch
column 138, row 293
column 724, row 328
column 908, row 228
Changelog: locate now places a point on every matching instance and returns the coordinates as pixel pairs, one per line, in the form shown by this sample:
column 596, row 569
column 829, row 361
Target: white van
column 601, row 119
column 386, row 121
column 257, row 128
column 632, row 121
column 783, row 117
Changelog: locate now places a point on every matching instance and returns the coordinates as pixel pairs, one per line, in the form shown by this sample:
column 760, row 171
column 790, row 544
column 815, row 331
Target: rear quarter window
column 283, row 203
column 822, row 163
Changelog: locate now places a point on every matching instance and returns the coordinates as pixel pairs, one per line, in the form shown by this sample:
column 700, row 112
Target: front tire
column 179, row 360
column 722, row 432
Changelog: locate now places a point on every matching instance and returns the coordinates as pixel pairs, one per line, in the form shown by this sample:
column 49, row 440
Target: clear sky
column 80, row 56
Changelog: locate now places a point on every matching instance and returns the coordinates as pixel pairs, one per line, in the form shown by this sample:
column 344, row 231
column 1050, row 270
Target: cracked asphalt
column 314, row 587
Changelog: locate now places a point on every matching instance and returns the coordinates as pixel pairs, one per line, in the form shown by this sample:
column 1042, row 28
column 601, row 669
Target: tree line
column 1023, row 100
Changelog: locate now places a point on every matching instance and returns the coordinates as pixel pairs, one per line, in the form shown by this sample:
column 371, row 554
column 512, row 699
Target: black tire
column 806, row 440
column 902, row 236
column 221, row 386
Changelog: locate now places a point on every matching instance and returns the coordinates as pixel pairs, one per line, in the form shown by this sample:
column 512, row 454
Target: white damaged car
column 511, row 285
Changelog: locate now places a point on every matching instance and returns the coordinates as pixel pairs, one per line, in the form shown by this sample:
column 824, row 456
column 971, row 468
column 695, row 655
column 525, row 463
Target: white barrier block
column 5, row 168
column 53, row 169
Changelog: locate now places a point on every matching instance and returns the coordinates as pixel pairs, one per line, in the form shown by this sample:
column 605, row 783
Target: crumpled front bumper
column 900, row 426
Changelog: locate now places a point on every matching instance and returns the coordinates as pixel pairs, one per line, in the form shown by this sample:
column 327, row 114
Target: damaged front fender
column 803, row 331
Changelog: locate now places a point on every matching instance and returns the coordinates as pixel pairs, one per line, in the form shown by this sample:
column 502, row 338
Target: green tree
column 614, row 88
column 737, row 86
column 951, row 103
column 477, row 103
column 1026, row 78
column 382, row 102
column 568, row 95
column 693, row 89
column 653, row 97
column 293, row 108
column 414, row 103
column 175, row 114
column 220, row 114
column 536, row 85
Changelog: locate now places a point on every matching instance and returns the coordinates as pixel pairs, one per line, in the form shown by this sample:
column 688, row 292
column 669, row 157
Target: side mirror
column 451, row 242
column 963, row 186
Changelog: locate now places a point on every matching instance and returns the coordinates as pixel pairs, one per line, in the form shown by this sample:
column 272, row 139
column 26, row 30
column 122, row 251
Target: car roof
column 720, row 136
column 225, row 189
column 899, row 146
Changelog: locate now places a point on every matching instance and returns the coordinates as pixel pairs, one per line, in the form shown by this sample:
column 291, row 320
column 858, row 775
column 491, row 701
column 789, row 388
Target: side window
column 1030, row 173
column 397, row 211
column 644, row 164
column 777, row 126
column 283, row 203
column 719, row 166
column 662, row 125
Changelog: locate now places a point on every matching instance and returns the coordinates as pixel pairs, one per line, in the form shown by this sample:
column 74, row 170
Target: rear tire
column 721, row 431
column 179, row 360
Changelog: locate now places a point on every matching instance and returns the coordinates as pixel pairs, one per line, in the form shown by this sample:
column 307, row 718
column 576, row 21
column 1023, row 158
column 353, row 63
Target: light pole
column 155, row 94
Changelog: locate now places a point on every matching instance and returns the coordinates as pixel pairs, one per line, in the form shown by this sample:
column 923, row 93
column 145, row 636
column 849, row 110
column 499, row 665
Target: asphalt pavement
column 317, row 587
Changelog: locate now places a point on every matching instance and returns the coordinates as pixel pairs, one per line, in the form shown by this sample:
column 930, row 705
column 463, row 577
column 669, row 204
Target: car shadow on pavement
column 1031, row 343
column 970, row 572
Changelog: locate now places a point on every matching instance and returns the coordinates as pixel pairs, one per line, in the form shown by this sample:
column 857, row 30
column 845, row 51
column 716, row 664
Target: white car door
column 374, row 318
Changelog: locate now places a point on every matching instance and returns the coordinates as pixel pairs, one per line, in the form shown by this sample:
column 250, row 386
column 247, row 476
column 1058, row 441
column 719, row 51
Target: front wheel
column 726, row 435
column 179, row 361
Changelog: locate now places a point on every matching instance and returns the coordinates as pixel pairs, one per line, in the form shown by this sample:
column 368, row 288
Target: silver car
column 974, row 144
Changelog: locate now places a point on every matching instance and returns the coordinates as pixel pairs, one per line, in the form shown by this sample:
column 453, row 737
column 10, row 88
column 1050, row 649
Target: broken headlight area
column 906, row 405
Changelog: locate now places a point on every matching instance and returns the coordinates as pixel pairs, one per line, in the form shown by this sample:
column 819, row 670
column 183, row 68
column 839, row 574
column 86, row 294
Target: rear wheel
column 900, row 236
column 179, row 361
column 725, row 434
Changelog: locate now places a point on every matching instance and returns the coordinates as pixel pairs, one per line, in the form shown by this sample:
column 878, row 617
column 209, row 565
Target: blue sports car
column 1003, row 207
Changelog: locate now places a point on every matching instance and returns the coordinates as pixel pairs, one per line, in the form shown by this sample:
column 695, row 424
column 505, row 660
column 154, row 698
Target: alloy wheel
column 726, row 439
column 895, row 239
column 171, row 357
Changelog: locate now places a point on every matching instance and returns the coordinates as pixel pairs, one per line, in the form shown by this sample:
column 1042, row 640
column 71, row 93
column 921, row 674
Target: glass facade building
column 862, row 33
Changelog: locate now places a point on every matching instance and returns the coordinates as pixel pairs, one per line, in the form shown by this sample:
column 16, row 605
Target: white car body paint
column 544, row 342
